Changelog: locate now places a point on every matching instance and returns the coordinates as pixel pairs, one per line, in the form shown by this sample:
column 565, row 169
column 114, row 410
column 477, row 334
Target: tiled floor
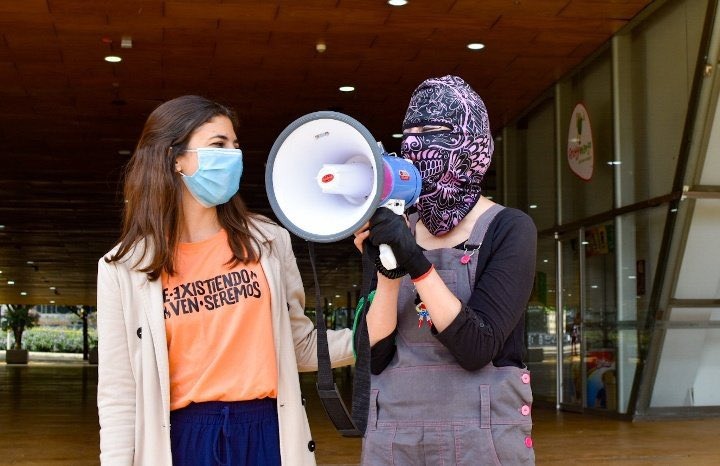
column 48, row 418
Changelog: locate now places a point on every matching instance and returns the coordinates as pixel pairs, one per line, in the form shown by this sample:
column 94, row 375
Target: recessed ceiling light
column 23, row 293
column 124, row 152
column 52, row 301
column 397, row 2
column 52, row 287
column 346, row 88
column 2, row 226
column 113, row 59
column 10, row 282
column 475, row 46
column 533, row 206
column 397, row 135
column 30, row 262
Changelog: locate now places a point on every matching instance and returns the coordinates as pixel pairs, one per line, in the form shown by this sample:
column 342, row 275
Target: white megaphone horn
column 326, row 175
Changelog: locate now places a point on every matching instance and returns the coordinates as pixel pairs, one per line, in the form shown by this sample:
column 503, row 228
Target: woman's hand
column 361, row 235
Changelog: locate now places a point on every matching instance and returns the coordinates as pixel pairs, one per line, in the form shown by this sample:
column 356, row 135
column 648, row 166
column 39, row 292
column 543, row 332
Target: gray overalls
column 427, row 410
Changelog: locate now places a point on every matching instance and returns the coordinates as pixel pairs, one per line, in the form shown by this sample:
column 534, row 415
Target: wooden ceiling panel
column 578, row 26
column 25, row 7
column 34, row 37
column 39, row 76
column 80, row 24
column 188, row 36
column 423, row 23
column 9, row 78
column 258, row 11
column 496, row 8
column 6, row 55
column 354, row 15
column 607, row 9
column 124, row 8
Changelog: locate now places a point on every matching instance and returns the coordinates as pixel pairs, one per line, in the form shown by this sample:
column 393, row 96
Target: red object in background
column 599, row 358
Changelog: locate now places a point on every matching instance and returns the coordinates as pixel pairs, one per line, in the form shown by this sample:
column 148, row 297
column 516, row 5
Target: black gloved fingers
column 387, row 227
column 382, row 215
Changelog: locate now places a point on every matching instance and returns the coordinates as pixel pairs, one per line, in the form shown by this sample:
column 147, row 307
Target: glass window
column 581, row 197
column 541, row 323
column 530, row 166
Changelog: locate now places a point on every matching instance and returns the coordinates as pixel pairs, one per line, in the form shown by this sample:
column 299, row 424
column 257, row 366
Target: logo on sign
column 580, row 144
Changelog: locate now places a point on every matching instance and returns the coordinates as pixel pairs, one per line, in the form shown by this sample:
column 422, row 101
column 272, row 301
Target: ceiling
column 69, row 119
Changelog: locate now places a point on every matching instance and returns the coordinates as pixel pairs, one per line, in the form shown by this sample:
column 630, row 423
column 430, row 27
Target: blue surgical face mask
column 217, row 178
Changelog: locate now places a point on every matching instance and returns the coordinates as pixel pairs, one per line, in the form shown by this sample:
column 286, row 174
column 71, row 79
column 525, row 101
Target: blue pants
column 217, row 433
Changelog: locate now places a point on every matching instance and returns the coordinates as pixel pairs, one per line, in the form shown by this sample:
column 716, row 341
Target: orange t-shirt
column 219, row 327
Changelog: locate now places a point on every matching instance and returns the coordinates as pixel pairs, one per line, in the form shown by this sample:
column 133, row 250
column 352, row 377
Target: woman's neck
column 457, row 235
column 198, row 222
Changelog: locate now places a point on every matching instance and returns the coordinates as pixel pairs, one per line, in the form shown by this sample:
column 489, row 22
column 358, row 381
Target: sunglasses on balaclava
column 453, row 156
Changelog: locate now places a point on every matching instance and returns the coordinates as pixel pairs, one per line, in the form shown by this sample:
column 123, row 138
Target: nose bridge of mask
column 215, row 158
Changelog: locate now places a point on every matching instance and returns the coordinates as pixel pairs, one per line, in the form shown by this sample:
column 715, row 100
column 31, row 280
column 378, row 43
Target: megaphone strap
column 327, row 389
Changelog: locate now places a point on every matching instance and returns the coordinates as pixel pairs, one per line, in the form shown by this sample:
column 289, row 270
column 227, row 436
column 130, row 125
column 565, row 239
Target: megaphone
column 326, row 175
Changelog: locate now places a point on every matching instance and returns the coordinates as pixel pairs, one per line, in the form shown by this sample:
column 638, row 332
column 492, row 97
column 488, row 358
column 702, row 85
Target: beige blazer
column 133, row 376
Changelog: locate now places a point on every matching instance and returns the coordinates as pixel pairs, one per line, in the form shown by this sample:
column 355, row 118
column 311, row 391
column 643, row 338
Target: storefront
column 595, row 165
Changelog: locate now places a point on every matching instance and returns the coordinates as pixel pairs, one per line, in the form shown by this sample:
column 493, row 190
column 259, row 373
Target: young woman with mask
column 448, row 383
column 201, row 321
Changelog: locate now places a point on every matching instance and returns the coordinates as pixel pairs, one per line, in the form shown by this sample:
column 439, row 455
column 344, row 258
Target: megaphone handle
column 387, row 258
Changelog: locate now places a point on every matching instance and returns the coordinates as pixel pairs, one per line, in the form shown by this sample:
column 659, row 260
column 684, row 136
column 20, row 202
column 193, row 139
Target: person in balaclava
column 446, row 328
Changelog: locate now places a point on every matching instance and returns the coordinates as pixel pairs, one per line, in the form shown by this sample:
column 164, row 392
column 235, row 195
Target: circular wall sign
column 580, row 143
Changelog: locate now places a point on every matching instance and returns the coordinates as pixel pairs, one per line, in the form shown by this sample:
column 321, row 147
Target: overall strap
column 477, row 235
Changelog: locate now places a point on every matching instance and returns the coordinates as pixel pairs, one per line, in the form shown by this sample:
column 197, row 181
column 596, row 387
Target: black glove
column 386, row 227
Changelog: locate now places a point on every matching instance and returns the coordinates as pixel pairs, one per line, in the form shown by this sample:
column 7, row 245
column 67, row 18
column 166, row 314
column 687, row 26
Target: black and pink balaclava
column 451, row 163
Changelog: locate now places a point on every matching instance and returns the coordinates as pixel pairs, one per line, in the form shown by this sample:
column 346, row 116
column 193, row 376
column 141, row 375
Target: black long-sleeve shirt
column 491, row 326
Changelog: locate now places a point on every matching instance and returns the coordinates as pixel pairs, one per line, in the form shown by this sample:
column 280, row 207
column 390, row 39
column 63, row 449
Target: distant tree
column 18, row 318
column 83, row 312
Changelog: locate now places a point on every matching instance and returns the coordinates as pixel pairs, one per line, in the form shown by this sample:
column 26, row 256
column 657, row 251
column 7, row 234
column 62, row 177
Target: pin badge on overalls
column 422, row 312
column 465, row 259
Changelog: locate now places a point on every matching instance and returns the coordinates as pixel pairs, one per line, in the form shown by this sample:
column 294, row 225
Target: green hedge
column 54, row 340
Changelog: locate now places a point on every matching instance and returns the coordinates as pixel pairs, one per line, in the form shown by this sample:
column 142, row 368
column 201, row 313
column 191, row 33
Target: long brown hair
column 153, row 191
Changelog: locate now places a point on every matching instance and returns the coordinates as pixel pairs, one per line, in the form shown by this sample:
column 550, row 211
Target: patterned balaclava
column 451, row 163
